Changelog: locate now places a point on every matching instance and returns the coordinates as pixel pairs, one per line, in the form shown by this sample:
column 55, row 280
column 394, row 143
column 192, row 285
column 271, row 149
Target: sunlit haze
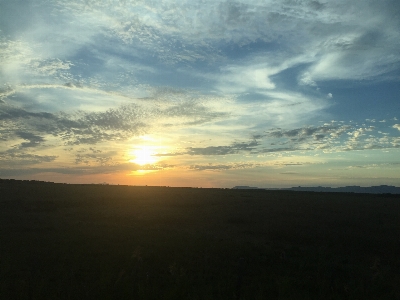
column 201, row 93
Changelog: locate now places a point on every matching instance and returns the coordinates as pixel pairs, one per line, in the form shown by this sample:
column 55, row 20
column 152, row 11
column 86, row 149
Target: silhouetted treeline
column 15, row 181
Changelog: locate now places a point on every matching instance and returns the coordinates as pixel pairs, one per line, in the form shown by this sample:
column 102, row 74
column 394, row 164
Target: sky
column 201, row 93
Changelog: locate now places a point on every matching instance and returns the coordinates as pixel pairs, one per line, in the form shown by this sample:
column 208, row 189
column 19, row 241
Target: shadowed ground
column 118, row 242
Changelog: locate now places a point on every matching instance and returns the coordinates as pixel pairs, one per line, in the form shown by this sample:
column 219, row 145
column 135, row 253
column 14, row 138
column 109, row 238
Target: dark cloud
column 220, row 167
column 96, row 157
column 34, row 140
column 93, row 127
column 309, row 131
column 125, row 118
column 276, row 134
column 12, row 113
column 196, row 113
column 245, row 146
column 366, row 146
column 316, row 5
column 302, row 132
column 93, row 170
column 15, row 157
column 169, row 154
column 290, row 133
column 282, row 149
column 301, row 135
column 73, row 84
column 212, row 150
column 210, row 167
column 77, row 128
column 257, row 136
column 235, row 166
column 234, row 148
column 223, row 150
column 328, row 137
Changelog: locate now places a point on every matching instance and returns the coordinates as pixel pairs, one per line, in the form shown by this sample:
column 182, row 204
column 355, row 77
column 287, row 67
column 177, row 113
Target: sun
column 144, row 155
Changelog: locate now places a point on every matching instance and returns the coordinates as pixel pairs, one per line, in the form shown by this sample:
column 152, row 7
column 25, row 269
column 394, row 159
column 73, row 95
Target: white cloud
column 49, row 67
column 237, row 79
column 306, row 79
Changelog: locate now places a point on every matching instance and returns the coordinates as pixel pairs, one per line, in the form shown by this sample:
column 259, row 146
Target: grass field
column 118, row 242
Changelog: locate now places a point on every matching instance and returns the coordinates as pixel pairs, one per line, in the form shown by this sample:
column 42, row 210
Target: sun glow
column 144, row 156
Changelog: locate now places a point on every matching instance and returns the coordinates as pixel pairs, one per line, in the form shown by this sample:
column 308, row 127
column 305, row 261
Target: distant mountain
column 381, row 189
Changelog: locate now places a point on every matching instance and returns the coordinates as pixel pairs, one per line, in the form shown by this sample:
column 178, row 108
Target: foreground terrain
column 62, row 241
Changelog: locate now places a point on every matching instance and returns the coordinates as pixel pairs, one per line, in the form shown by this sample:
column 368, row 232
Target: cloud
column 299, row 134
column 250, row 165
column 330, row 137
column 34, row 140
column 12, row 158
column 11, row 113
column 396, row 126
column 95, row 157
column 78, row 128
column 119, row 123
column 306, row 79
column 282, row 149
column 223, row 150
column 192, row 112
column 354, row 55
column 220, row 167
column 5, row 92
column 49, row 66
column 223, row 167
column 15, row 170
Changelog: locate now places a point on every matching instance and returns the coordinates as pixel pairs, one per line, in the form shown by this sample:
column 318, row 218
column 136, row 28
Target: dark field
column 116, row 242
